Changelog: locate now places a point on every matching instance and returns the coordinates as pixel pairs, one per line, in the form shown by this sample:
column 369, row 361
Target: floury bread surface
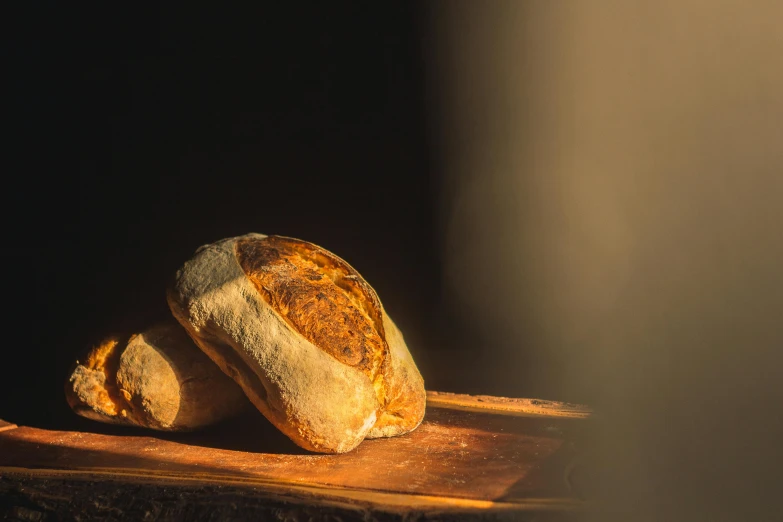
column 154, row 379
column 304, row 335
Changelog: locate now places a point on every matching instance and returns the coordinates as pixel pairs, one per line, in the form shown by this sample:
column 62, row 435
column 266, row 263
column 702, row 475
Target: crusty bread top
column 323, row 298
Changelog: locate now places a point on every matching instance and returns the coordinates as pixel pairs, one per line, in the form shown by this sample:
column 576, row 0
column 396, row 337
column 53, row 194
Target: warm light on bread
column 154, row 379
column 304, row 335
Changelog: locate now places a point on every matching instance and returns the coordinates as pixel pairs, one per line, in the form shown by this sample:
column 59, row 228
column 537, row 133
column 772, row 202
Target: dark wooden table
column 473, row 457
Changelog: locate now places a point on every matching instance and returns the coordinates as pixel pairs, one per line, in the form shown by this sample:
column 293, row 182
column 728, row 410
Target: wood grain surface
column 513, row 457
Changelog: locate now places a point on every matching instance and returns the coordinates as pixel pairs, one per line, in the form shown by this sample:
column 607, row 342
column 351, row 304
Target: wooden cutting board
column 473, row 457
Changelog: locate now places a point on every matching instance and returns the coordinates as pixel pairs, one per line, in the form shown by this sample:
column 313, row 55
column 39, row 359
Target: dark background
column 148, row 133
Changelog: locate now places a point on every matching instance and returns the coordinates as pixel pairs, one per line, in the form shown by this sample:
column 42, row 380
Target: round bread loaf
column 304, row 335
column 154, row 379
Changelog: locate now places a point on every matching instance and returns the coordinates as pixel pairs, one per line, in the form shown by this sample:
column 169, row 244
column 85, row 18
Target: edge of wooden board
column 308, row 493
column 507, row 406
column 5, row 425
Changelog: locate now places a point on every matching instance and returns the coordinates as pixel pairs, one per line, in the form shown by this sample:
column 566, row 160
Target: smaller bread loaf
column 154, row 379
column 305, row 336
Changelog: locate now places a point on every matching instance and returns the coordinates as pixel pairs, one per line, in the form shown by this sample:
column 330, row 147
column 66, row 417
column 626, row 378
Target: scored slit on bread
column 323, row 298
column 92, row 389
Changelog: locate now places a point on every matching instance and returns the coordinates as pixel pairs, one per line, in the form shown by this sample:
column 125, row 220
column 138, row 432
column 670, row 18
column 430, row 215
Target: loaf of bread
column 154, row 379
column 304, row 335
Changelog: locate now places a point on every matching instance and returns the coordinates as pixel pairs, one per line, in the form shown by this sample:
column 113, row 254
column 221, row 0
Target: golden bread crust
column 154, row 379
column 322, row 297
